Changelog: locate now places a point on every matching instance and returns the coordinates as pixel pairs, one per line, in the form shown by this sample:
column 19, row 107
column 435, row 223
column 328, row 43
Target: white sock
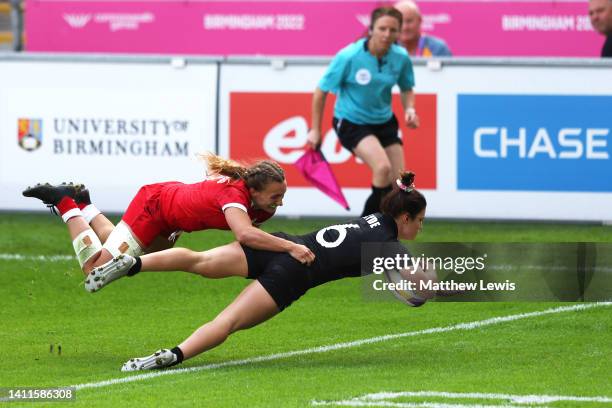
column 90, row 212
column 75, row 212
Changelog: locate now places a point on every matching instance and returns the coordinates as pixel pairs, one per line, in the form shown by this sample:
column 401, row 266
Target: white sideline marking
column 352, row 403
column 518, row 399
column 338, row 346
column 381, row 399
column 46, row 258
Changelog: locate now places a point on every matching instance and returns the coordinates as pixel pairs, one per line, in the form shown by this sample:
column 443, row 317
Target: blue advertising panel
column 534, row 143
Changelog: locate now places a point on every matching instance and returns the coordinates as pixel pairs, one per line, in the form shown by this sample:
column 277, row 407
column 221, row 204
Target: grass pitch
column 44, row 304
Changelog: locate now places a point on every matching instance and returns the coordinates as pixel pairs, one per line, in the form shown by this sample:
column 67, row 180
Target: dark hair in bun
column 404, row 198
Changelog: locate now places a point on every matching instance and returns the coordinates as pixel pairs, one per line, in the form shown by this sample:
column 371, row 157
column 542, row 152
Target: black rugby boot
column 52, row 195
column 82, row 196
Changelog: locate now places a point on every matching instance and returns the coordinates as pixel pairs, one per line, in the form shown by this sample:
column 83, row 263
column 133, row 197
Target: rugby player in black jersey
column 278, row 278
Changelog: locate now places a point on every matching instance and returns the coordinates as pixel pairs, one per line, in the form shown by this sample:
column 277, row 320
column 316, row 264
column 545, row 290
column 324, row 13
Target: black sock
column 385, row 191
column 179, row 356
column 372, row 204
column 136, row 267
column 369, row 206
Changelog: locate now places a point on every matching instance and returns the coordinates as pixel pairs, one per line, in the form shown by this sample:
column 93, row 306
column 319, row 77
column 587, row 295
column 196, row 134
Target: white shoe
column 160, row 359
column 114, row 269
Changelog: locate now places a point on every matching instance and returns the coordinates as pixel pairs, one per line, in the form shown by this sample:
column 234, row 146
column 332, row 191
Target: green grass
column 44, row 303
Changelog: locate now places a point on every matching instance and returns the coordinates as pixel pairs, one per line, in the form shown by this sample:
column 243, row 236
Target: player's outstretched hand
column 302, row 254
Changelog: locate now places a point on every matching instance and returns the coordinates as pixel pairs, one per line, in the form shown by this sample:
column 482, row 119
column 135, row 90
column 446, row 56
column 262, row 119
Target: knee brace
column 122, row 241
column 86, row 245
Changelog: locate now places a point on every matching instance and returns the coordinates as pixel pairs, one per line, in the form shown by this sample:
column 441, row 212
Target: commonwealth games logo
column 29, row 134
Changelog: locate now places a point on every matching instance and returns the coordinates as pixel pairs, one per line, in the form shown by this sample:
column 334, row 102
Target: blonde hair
column 257, row 176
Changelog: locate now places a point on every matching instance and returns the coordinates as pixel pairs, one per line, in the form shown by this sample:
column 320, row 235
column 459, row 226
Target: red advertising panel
column 275, row 126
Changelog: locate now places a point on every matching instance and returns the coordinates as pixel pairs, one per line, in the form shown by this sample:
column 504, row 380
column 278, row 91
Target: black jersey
column 338, row 251
column 338, row 248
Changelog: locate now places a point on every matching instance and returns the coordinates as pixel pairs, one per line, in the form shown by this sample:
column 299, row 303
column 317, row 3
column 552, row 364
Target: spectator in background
column 417, row 43
column 600, row 12
column 362, row 76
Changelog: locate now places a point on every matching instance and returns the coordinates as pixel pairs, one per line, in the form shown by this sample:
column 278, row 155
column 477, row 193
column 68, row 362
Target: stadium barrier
column 500, row 138
column 113, row 124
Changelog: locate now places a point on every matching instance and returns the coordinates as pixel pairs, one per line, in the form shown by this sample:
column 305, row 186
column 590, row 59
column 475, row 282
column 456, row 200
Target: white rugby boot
column 160, row 359
column 114, row 269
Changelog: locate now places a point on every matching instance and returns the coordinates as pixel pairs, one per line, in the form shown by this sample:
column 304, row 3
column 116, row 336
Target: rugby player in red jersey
column 278, row 280
column 233, row 197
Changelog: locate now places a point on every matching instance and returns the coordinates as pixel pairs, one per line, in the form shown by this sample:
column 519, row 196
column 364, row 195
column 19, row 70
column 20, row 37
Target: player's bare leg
column 253, row 306
column 80, row 231
column 61, row 198
column 101, row 225
column 221, row 262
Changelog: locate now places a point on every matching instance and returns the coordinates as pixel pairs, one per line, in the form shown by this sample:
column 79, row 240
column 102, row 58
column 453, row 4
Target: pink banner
column 513, row 28
column 471, row 28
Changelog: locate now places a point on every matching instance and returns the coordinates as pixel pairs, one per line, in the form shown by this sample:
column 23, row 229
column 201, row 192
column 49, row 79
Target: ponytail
column 217, row 165
column 404, row 198
column 256, row 176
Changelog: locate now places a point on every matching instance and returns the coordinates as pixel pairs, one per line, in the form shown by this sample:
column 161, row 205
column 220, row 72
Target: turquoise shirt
column 362, row 83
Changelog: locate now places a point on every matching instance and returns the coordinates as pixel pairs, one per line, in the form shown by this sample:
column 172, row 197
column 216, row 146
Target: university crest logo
column 29, row 135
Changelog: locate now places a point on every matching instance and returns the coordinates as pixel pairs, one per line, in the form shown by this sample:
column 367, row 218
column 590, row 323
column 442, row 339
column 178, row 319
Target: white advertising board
column 505, row 141
column 112, row 126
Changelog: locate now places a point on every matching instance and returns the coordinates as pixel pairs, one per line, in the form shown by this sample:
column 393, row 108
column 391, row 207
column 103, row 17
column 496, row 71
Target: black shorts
column 350, row 134
column 284, row 278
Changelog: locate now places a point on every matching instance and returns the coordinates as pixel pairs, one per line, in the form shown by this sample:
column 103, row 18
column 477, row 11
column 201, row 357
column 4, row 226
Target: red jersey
column 165, row 208
column 200, row 206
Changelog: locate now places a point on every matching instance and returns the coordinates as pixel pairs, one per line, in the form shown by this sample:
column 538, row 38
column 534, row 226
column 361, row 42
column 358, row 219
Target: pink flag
column 313, row 166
